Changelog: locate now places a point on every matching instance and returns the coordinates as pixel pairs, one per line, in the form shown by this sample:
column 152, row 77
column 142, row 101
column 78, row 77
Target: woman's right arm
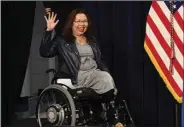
column 48, row 47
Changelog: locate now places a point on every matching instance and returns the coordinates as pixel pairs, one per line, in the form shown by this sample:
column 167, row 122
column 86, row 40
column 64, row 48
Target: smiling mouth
column 81, row 29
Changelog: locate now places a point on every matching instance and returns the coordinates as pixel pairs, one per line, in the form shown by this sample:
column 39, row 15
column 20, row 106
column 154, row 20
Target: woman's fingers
column 49, row 16
column 46, row 18
column 57, row 22
column 52, row 16
column 50, row 19
column 55, row 17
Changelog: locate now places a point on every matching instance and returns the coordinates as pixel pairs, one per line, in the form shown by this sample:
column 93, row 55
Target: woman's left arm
column 102, row 65
column 100, row 59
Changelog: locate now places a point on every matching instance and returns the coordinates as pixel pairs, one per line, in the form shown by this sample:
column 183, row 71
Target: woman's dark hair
column 67, row 33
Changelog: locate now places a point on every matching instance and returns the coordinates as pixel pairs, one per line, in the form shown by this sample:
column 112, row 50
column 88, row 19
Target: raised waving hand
column 51, row 23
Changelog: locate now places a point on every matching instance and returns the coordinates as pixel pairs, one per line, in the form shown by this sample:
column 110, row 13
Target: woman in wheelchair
column 79, row 60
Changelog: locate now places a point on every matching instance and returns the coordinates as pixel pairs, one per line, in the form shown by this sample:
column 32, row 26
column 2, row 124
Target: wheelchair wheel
column 55, row 106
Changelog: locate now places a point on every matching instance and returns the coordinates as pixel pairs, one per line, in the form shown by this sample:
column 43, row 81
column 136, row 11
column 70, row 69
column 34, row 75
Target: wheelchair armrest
column 66, row 82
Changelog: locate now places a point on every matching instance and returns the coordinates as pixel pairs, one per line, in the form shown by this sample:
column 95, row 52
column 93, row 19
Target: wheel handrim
column 59, row 104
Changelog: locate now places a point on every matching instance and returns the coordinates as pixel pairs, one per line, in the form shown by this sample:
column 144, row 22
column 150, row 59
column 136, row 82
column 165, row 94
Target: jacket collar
column 71, row 46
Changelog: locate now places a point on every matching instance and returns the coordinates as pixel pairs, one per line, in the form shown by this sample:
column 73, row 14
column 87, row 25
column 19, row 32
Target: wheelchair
column 61, row 104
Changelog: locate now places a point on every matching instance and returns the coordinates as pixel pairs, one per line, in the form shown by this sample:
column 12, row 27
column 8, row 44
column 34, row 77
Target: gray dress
column 89, row 75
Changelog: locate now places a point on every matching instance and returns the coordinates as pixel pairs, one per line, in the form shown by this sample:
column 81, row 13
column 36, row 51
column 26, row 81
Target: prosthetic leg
column 111, row 113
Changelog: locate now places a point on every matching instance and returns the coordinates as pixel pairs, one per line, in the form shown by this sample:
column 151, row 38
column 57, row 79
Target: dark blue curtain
column 120, row 29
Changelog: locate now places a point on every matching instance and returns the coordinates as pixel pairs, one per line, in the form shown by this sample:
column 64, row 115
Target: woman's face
column 80, row 24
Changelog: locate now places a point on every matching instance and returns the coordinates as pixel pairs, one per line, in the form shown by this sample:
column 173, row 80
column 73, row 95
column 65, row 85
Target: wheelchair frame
column 72, row 107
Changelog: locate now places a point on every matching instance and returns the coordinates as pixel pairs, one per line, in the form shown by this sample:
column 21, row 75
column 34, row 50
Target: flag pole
column 172, row 53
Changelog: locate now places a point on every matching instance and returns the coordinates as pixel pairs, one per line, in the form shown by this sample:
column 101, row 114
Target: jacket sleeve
column 102, row 64
column 49, row 45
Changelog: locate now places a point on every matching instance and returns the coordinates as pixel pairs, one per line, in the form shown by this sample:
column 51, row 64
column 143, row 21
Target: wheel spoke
column 59, row 99
column 47, row 100
column 44, row 105
column 54, row 97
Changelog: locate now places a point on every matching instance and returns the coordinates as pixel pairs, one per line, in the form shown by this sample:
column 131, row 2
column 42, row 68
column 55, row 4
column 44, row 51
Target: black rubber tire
column 68, row 96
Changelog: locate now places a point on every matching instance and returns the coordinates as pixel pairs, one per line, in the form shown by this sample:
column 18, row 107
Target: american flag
column 167, row 55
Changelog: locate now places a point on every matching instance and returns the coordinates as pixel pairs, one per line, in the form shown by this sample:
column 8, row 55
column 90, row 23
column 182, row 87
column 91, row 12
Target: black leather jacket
column 68, row 55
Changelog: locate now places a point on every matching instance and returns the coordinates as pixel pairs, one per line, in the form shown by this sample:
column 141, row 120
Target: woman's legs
column 101, row 81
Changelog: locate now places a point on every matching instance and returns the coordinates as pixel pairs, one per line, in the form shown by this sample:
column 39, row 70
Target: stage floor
column 31, row 122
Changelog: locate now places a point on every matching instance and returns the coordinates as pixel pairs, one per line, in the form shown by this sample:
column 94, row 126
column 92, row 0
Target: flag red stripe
column 163, row 67
column 166, row 23
column 164, row 45
column 179, row 20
